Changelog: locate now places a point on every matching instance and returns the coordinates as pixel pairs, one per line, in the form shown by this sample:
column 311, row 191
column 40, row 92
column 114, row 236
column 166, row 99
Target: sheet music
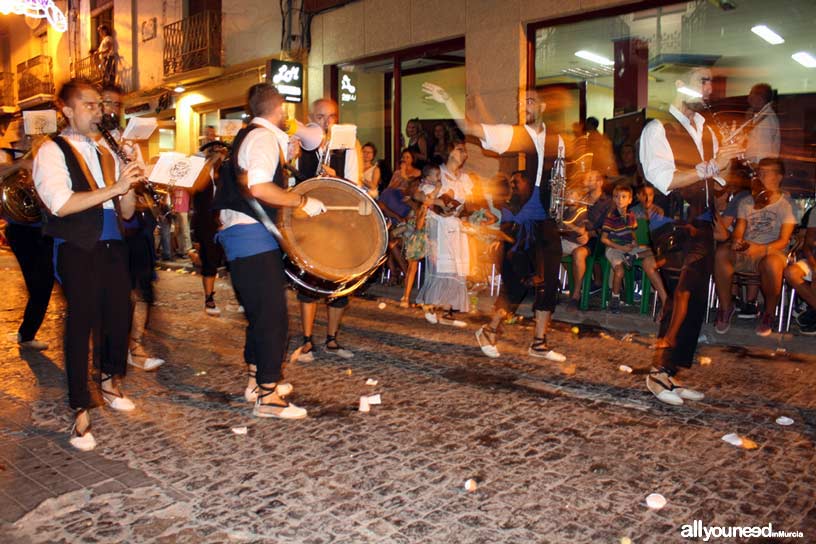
column 342, row 137
column 177, row 169
column 39, row 122
column 139, row 128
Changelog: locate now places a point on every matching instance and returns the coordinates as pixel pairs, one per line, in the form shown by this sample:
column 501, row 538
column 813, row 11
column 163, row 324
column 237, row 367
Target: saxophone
column 558, row 188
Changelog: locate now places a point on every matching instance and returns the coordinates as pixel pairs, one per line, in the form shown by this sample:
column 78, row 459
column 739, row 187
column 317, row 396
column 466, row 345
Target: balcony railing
column 35, row 77
column 88, row 68
column 6, row 89
column 192, row 43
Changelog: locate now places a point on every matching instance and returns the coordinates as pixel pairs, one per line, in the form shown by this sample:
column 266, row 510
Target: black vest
column 687, row 157
column 531, row 164
column 81, row 229
column 309, row 163
column 230, row 194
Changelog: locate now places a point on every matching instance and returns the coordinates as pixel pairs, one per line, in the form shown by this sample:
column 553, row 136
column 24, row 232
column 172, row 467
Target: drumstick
column 364, row 208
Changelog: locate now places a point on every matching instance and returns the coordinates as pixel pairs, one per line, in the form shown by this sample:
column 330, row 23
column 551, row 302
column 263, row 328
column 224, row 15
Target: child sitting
column 574, row 239
column 618, row 235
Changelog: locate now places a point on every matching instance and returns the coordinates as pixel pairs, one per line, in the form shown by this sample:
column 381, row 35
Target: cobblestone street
column 559, row 452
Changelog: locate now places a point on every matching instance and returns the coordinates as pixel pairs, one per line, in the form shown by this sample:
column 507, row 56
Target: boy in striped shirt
column 618, row 235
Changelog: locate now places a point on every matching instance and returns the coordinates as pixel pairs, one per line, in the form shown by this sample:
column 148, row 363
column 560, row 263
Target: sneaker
column 806, row 318
column 487, row 347
column 210, row 307
column 723, row 323
column 808, row 329
column 685, row 393
column 594, row 289
column 615, row 304
column 659, row 384
column 31, row 344
column 749, row 311
column 540, row 349
column 764, row 327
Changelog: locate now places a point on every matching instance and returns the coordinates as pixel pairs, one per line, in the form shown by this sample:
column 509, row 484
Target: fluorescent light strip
column 767, row 34
column 690, row 92
column 805, row 59
column 587, row 55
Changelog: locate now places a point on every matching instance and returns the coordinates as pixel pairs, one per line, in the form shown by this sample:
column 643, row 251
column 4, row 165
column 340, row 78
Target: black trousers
column 260, row 284
column 687, row 272
column 96, row 284
column 35, row 253
column 535, row 267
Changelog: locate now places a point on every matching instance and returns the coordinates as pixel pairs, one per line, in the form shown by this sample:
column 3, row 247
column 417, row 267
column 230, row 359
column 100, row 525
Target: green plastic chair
column 642, row 237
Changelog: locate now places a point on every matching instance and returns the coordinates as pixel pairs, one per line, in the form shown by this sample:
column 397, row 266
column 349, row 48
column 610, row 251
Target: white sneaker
column 684, row 392
column 484, row 344
column 431, row 318
column 661, row 387
column 290, row 411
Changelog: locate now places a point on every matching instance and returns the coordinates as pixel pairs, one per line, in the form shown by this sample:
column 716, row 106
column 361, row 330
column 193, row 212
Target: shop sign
column 348, row 91
column 287, row 77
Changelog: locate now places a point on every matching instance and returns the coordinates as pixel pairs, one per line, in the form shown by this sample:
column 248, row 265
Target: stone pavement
column 560, row 452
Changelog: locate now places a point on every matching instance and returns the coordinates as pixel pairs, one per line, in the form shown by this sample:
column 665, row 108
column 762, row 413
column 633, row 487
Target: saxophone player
column 537, row 240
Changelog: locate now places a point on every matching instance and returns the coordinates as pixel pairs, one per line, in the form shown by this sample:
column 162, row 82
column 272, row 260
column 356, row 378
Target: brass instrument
column 558, row 187
column 18, row 198
column 156, row 198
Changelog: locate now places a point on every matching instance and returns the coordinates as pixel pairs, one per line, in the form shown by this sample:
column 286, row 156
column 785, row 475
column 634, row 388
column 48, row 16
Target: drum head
column 339, row 244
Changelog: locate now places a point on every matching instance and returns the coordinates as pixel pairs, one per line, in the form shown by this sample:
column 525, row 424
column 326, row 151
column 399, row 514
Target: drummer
column 344, row 164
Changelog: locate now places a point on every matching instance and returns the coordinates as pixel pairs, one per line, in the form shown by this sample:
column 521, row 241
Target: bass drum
column 334, row 253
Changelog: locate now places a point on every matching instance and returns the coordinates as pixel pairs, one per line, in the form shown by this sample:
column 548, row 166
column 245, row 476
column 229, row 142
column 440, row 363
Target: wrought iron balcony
column 6, row 90
column 36, row 77
column 89, row 68
column 192, row 44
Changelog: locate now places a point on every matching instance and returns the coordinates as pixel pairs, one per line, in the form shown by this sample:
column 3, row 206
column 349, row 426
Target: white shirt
column 51, row 177
column 763, row 140
column 498, row 138
column 461, row 186
column 258, row 156
column 656, row 154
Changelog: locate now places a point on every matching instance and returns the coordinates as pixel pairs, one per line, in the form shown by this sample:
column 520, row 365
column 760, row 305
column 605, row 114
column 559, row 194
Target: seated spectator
column 800, row 276
column 646, row 207
column 395, row 203
column 647, row 210
column 761, row 236
column 574, row 239
column 407, row 169
column 416, row 236
column 618, row 235
column 601, row 205
column 371, row 170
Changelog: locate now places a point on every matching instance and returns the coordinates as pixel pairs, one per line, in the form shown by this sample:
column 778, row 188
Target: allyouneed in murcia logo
column 697, row 530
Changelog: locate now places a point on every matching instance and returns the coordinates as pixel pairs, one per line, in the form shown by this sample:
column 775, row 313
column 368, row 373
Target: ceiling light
column 767, row 34
column 180, row 89
column 690, row 92
column 594, row 58
column 805, row 59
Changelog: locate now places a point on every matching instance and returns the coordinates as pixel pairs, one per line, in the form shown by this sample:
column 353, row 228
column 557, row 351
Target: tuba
column 18, row 198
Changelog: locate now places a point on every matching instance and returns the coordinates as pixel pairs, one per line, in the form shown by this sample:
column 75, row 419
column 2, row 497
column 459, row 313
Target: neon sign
column 36, row 9
column 286, row 76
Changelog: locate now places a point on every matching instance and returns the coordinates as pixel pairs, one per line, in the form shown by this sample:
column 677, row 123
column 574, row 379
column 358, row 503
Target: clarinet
column 156, row 199
column 729, row 136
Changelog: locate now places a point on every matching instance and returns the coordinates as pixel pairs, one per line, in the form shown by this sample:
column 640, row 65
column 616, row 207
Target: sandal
column 305, row 353
column 280, row 410
column 83, row 441
column 251, row 393
column 337, row 349
column 487, row 341
column 539, row 348
column 115, row 399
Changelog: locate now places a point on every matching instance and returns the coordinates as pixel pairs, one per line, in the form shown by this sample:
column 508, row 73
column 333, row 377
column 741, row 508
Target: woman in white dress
column 448, row 259
column 371, row 170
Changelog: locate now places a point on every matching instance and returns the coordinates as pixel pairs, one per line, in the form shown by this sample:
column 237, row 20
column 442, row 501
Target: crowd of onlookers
column 606, row 231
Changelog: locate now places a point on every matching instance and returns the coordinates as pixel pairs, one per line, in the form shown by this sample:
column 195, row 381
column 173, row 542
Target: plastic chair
column 642, row 237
